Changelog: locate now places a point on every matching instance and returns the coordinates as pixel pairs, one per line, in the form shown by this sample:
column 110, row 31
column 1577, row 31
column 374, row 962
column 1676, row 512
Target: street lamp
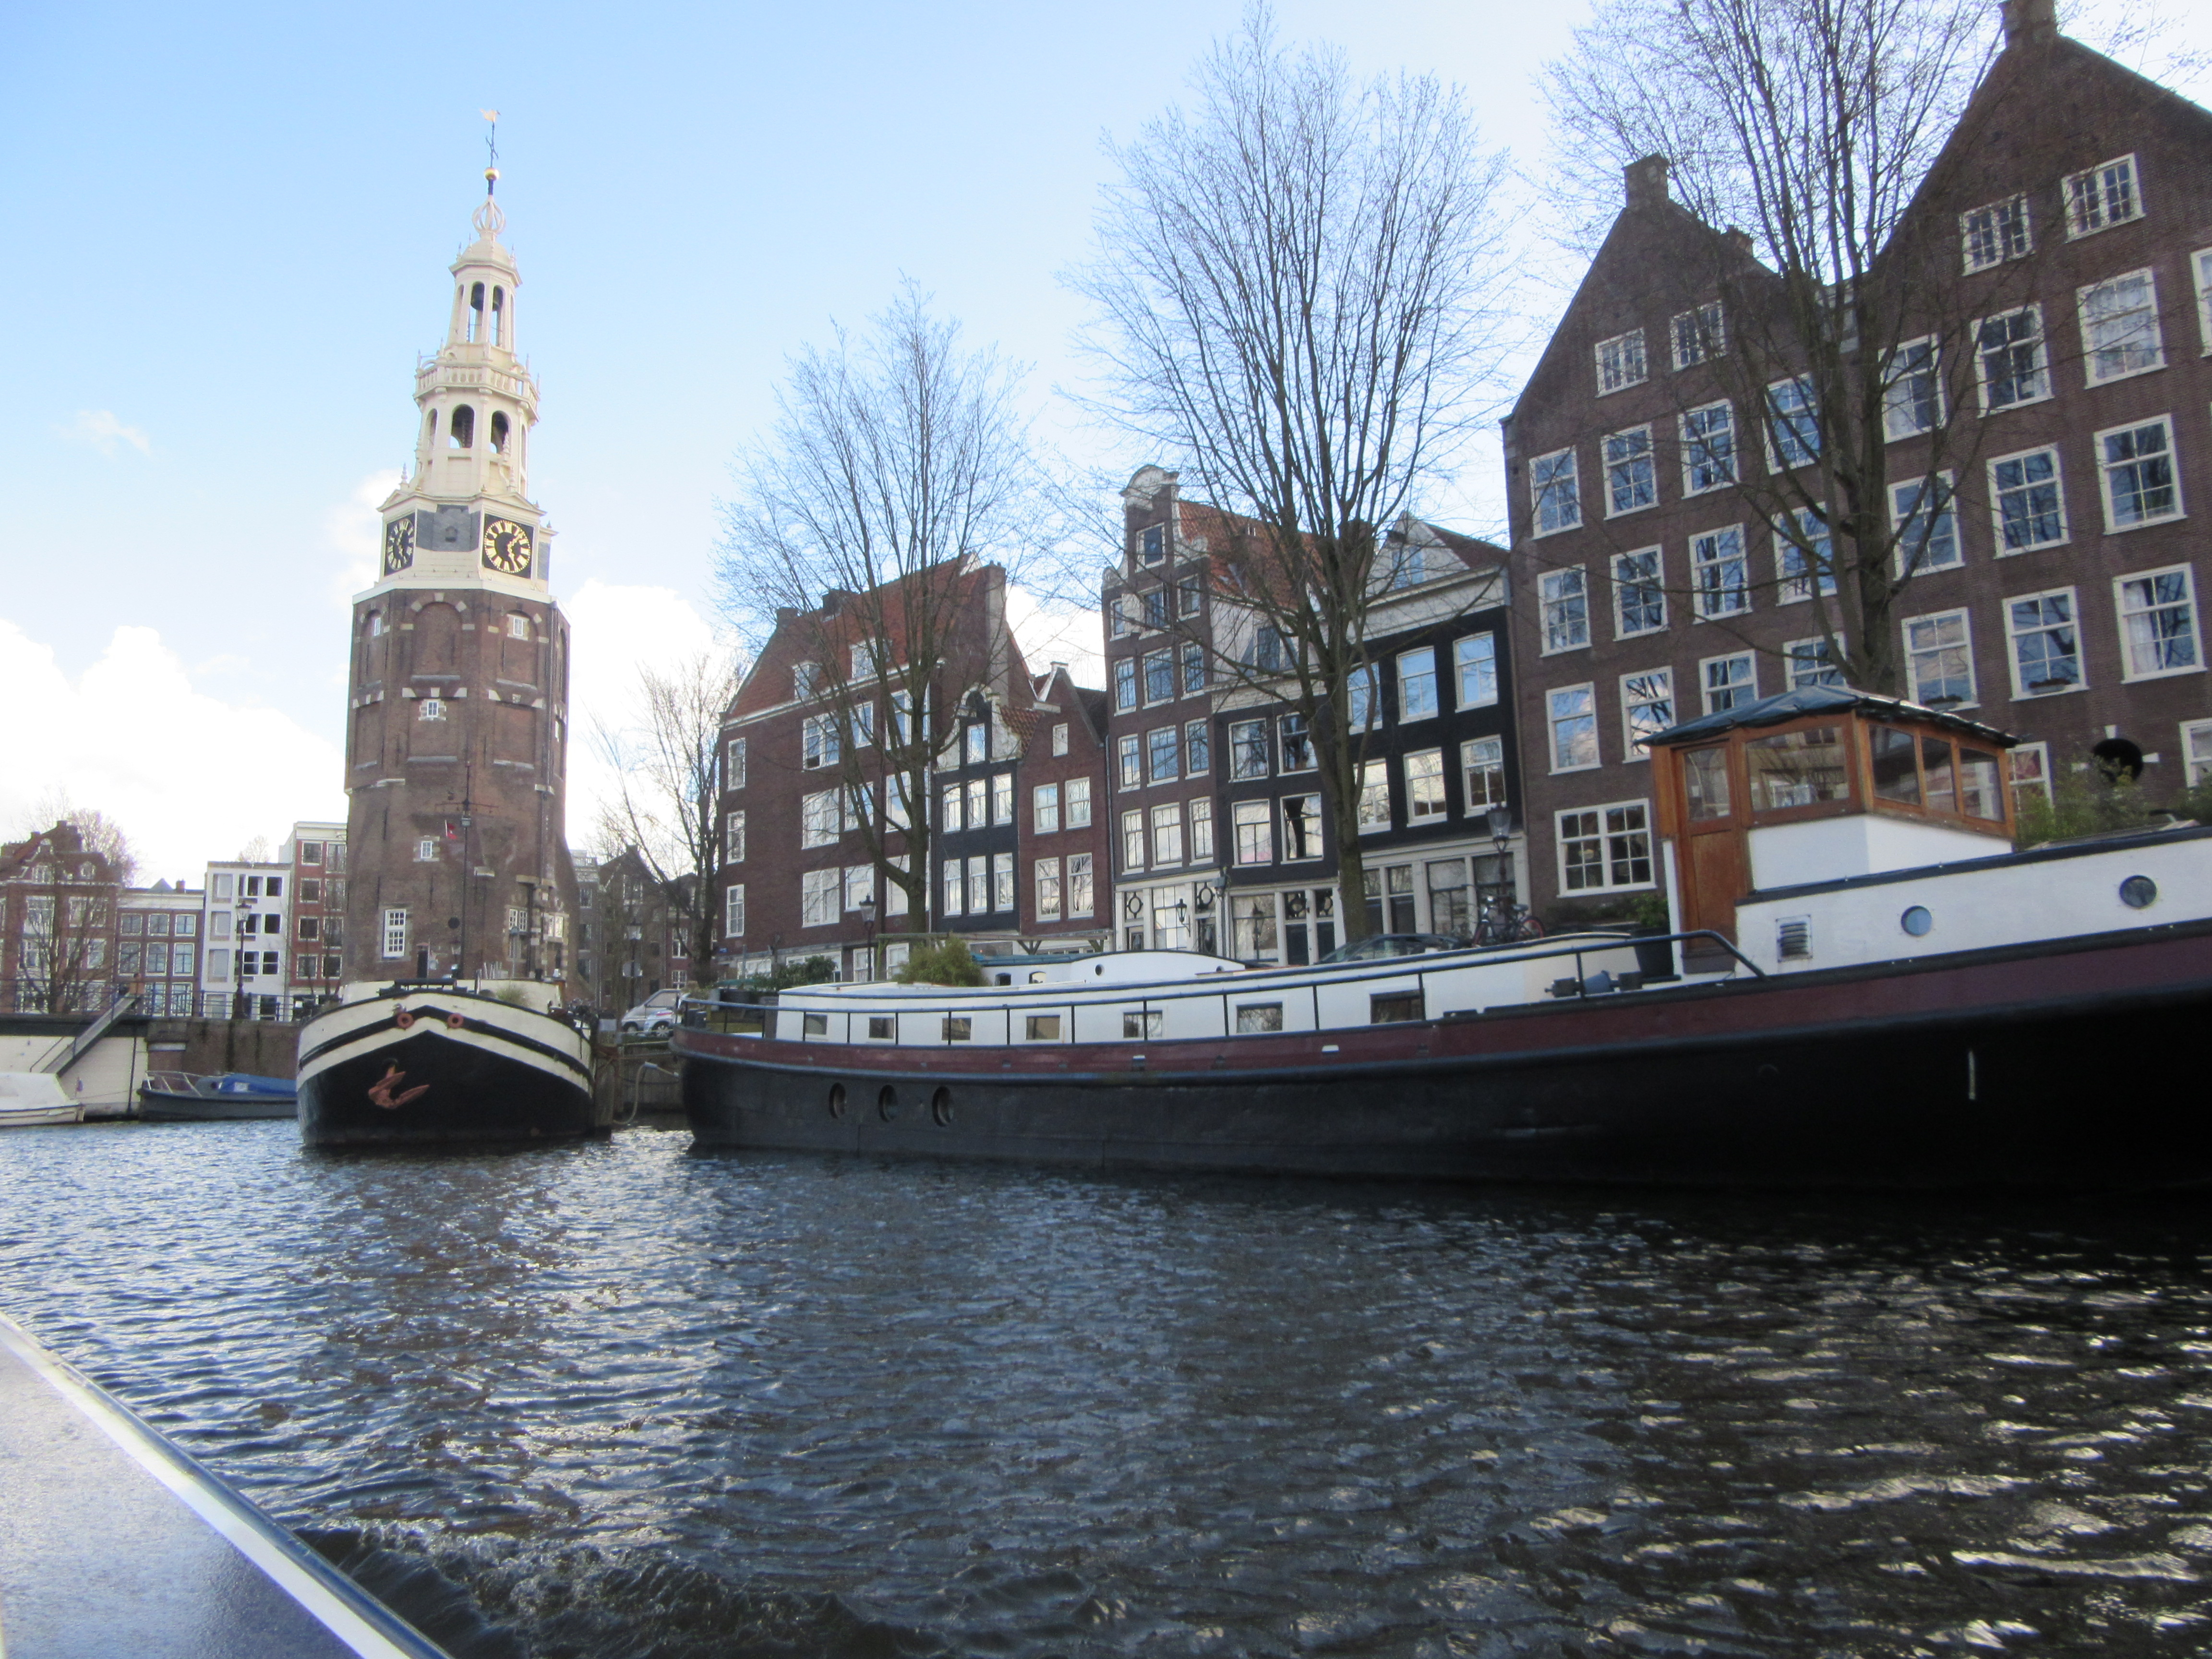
column 866, row 906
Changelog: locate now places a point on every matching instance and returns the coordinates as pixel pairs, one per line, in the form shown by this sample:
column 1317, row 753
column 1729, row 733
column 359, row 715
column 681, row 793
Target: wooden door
column 1716, row 856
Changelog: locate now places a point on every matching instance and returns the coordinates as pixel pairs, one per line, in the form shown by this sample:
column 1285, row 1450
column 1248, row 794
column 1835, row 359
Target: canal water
column 622, row 1399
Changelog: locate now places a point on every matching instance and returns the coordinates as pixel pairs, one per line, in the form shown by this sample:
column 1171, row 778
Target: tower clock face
column 399, row 544
column 506, row 547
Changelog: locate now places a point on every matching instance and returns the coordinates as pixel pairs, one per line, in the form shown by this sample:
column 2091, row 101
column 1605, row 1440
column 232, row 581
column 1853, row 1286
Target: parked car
column 656, row 1014
column 1376, row 946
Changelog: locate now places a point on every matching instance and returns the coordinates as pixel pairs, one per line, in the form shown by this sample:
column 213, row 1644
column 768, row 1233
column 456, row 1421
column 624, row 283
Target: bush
column 2086, row 801
column 799, row 970
column 945, row 962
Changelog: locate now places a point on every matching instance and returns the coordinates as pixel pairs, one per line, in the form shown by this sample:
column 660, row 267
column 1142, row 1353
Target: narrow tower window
column 463, row 426
column 476, row 314
column 499, row 317
column 430, row 428
column 498, row 432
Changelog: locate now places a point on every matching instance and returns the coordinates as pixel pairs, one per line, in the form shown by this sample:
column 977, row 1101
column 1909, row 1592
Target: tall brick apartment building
column 57, row 924
column 2058, row 592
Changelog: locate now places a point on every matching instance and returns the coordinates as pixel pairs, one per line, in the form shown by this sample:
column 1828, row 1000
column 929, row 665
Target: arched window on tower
column 499, row 317
column 476, row 313
column 462, row 427
column 498, row 432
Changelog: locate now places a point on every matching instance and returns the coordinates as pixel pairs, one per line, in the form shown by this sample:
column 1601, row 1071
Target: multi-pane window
column 819, row 893
column 1728, row 682
column 733, row 839
column 1571, row 713
column 1048, row 889
column 1128, row 764
column 1187, row 596
column 1566, row 601
column 1603, row 847
column 1793, row 424
column 1197, row 747
column 1810, row 662
column 860, row 886
column 1079, row 803
column 819, row 819
column 733, row 764
column 1002, row 797
column 1474, row 666
column 1639, row 602
column 1620, row 361
column 2158, row 622
column 1194, row 668
column 2009, row 358
column 395, row 934
column 1424, row 786
column 1697, row 335
column 956, row 888
column 1912, row 389
column 1201, row 815
column 1716, row 564
column 1159, row 677
column 1266, row 650
column 1939, row 658
column 1991, row 236
column 2028, row 502
column 979, row 803
column 818, row 745
column 1153, row 543
column 1044, row 808
column 733, row 910
column 1708, row 449
column 1078, row 884
column 2103, row 197
column 1133, row 841
column 1167, row 834
column 1120, row 620
column 1256, row 835
column 1923, row 511
column 2137, row 465
column 1294, row 734
column 2196, row 751
column 805, row 680
column 2119, row 327
column 1631, row 480
column 1164, row 754
column 1247, row 749
column 1482, row 769
column 1301, row 827
column 1366, row 708
column 1408, row 567
column 1417, row 683
column 2046, row 652
column 1125, row 684
column 1804, row 557
column 2030, row 774
column 949, row 816
column 1156, row 607
column 2200, row 265
column 1551, row 484
column 978, row 884
column 1647, row 705
column 1374, row 796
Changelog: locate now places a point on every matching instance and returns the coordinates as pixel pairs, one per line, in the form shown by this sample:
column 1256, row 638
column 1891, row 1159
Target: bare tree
column 898, row 467
column 1298, row 291
column 1850, row 336
column 101, row 834
column 668, row 803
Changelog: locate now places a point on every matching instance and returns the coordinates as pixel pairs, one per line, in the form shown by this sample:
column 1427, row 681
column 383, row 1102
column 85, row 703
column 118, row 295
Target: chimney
column 1647, row 181
column 2030, row 21
column 1739, row 240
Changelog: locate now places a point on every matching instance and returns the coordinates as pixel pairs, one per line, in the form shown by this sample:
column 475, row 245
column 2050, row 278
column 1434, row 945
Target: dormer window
column 805, row 680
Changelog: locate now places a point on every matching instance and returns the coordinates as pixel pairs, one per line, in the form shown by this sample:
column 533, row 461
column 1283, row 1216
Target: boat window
column 1895, row 777
column 1796, row 768
column 1978, row 785
column 1044, row 1028
column 1260, row 1016
column 1388, row 1007
column 880, row 1027
column 1136, row 1027
column 959, row 1027
column 1705, row 770
column 1935, row 769
column 817, row 1024
column 837, row 1100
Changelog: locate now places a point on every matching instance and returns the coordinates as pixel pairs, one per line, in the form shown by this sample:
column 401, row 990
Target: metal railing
column 755, row 1018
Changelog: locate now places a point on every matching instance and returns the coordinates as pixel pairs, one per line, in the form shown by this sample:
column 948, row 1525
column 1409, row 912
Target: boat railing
column 965, row 1023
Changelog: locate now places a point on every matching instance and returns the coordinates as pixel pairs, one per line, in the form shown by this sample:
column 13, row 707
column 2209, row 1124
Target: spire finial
column 488, row 219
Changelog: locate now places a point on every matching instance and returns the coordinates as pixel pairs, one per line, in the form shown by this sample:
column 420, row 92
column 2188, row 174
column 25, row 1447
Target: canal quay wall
column 105, row 1079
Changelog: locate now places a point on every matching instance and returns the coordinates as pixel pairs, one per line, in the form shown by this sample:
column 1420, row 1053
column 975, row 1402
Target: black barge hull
column 2003, row 1068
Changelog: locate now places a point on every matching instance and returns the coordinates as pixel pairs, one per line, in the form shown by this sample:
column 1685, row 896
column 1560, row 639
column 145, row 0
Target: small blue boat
column 189, row 1097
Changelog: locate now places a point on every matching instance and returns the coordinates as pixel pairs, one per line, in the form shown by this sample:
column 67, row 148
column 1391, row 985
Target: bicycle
column 1504, row 922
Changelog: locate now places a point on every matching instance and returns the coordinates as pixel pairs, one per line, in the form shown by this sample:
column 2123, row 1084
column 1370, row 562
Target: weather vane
column 491, row 152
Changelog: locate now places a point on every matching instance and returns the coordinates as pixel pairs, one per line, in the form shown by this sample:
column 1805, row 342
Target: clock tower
column 456, row 749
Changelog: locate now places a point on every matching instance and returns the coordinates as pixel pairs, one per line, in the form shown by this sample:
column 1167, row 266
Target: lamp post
column 866, row 906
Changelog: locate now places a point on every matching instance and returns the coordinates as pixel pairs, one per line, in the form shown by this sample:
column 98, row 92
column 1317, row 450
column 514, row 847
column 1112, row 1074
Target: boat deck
column 112, row 1541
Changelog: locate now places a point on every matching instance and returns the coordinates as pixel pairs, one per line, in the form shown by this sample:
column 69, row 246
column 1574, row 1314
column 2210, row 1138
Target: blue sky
column 227, row 230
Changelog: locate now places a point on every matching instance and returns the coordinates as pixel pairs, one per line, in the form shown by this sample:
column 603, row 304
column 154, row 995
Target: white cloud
column 189, row 776
column 1058, row 632
column 355, row 530
column 102, row 429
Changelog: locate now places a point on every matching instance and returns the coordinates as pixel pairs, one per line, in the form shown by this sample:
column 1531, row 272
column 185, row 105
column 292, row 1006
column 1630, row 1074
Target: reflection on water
column 616, row 1399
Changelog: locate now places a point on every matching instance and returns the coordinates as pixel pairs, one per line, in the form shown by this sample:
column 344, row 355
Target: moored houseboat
column 1873, row 989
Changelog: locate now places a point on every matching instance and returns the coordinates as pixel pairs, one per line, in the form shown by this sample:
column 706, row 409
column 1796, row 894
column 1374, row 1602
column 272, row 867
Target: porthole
column 837, row 1100
column 887, row 1107
column 940, row 1107
column 1917, row 921
column 2138, row 892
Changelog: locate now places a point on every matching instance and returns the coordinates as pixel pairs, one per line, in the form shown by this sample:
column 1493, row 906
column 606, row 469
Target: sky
column 227, row 230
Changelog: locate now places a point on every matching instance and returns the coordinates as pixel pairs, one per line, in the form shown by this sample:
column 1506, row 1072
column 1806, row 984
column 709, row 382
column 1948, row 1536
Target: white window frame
column 2199, row 270
column 1798, row 586
column 860, row 885
column 1656, row 587
column 1607, row 834
column 1486, row 757
column 1431, row 767
column 1075, row 801
column 821, row 818
column 1044, row 809
column 1241, row 748
column 1045, row 873
column 2008, row 223
column 2122, row 612
column 1374, row 806
column 1693, row 445
column 1166, row 827
column 1132, row 839
column 956, row 886
column 1997, row 492
column 1556, row 714
column 1129, row 761
column 1640, row 467
column 2033, row 759
column 1627, row 354
column 2041, row 358
column 1897, row 375
column 978, row 884
column 1166, row 656
column 2106, row 469
column 2196, row 752
column 2014, row 634
column 1082, row 890
column 1006, row 892
column 394, row 935
column 1251, row 832
column 2086, row 299
column 1941, row 486
column 1795, row 654
column 820, row 892
column 1781, row 434
column 2088, row 196
column 1636, row 694
column 1478, row 654
column 1700, row 564
column 1555, row 501
column 733, row 910
column 1563, row 599
column 734, row 838
column 1707, row 687
column 1965, row 644
column 1311, row 820
column 1704, row 339
column 733, row 764
column 1198, row 814
column 1426, row 654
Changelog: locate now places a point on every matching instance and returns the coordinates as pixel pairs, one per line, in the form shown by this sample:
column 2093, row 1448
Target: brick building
column 2043, row 453
column 1060, row 779
column 157, row 947
column 317, row 855
column 58, row 906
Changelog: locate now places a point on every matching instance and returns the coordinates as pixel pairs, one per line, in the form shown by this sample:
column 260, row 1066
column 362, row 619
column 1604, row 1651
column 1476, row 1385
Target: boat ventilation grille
column 1794, row 939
